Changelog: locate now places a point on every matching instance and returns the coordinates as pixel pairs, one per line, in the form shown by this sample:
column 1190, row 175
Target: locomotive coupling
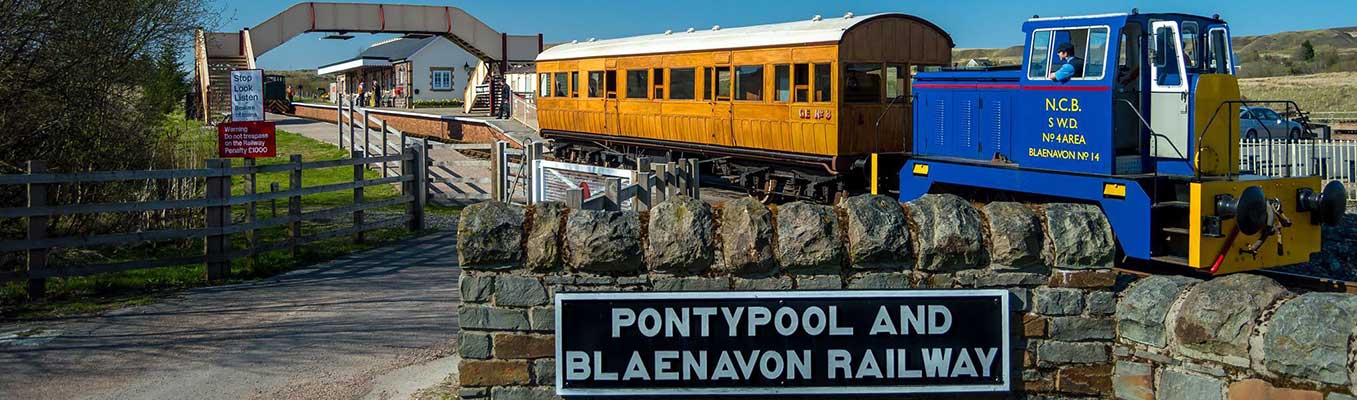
column 1325, row 207
column 1250, row 210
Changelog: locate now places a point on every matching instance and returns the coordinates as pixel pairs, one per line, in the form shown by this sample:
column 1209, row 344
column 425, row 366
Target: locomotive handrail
column 1246, row 103
column 1157, row 134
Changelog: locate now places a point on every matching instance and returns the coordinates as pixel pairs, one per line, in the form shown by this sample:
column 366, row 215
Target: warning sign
column 253, row 139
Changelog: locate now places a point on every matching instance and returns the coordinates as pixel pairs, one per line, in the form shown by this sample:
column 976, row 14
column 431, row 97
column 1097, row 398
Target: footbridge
column 217, row 53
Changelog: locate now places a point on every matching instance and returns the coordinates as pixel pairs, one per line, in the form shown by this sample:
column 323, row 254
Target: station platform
column 447, row 124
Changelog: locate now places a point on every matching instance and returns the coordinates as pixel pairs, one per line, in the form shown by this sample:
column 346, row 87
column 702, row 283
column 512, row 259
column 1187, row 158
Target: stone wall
column 1055, row 260
column 1238, row 337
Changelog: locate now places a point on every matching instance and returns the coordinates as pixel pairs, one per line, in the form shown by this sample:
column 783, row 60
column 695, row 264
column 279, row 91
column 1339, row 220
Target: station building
column 408, row 69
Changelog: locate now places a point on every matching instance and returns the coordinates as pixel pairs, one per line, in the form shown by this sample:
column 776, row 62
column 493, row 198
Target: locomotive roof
column 815, row 30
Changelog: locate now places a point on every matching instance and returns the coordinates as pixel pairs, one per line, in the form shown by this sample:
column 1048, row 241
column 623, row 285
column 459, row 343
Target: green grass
column 66, row 296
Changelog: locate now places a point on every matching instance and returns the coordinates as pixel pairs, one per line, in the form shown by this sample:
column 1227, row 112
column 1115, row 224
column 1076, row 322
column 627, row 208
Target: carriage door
column 610, row 117
column 1168, row 93
column 718, row 91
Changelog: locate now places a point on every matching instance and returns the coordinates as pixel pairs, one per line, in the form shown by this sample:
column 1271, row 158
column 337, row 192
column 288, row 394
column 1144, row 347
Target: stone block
column 992, row 279
column 808, row 238
column 949, row 235
column 1087, row 279
column 1020, row 299
column 605, row 242
column 1100, row 303
column 1308, row 337
column 475, row 288
column 1218, row 315
column 490, row 236
column 879, row 280
column 1058, row 301
column 746, row 236
column 473, row 345
column 1085, row 379
column 477, row 317
column 1133, row 381
column 519, row 291
column 689, row 284
column 1051, row 353
column 680, row 236
column 542, row 319
column 473, row 393
column 473, row 373
column 1077, row 329
column 1081, row 237
column 1144, row 306
column 524, row 393
column 633, row 280
column 543, row 251
column 770, row 283
column 878, row 234
column 1033, row 326
column 1177, row 385
column 819, row 282
column 544, row 372
column 1339, row 396
column 1257, row 389
column 518, row 345
column 1016, row 240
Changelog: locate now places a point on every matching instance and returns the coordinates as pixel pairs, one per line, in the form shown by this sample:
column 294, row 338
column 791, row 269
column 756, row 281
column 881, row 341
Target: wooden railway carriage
column 792, row 108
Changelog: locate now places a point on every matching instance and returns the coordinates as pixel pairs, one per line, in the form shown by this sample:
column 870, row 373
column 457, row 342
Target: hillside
column 1284, row 44
column 1318, row 92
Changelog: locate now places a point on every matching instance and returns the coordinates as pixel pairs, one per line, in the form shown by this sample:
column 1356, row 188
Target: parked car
column 1264, row 123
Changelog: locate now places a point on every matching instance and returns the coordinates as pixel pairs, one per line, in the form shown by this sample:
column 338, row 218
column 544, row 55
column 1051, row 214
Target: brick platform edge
column 416, row 125
column 1081, row 330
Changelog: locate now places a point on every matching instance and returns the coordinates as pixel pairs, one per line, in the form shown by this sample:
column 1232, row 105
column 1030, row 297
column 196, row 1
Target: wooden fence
column 653, row 183
column 217, row 204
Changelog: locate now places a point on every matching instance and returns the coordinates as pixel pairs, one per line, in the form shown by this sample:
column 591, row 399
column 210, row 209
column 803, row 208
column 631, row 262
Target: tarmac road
column 376, row 324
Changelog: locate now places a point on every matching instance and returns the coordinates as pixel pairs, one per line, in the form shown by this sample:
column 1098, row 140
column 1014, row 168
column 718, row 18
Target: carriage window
column 749, row 82
column 610, row 84
column 637, row 83
column 897, row 82
column 782, row 83
column 658, row 83
column 595, row 83
column 543, row 85
column 723, row 83
column 1039, row 60
column 800, row 83
column 682, row 84
column 824, row 80
column 706, row 83
column 862, row 83
column 574, row 84
column 562, row 85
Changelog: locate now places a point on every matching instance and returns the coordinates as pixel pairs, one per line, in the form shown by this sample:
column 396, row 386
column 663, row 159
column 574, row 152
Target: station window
column 722, row 83
column 862, row 83
column 595, row 83
column 562, row 85
column 824, row 80
column 637, row 83
column 610, row 84
column 800, row 82
column 749, row 82
column 543, row 85
column 574, row 84
column 897, row 82
column 658, row 83
column 682, row 84
column 782, row 83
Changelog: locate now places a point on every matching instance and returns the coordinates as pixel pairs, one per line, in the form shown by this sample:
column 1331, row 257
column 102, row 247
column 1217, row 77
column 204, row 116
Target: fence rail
column 1328, row 159
column 217, row 203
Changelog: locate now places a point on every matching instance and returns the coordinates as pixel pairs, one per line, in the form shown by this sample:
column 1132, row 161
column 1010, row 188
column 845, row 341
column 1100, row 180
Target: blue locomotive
column 1134, row 112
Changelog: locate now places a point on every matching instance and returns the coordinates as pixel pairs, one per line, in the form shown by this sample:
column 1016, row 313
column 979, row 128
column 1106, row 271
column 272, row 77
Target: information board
column 246, row 140
column 247, row 95
column 828, row 343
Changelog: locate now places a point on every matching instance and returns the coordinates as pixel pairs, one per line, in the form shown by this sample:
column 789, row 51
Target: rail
column 217, row 205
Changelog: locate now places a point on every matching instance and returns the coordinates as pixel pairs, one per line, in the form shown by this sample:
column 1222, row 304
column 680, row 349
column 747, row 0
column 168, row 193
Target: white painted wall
column 440, row 54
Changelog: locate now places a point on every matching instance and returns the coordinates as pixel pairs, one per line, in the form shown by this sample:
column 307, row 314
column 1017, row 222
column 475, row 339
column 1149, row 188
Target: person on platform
column 376, row 94
column 1071, row 66
column 360, row 94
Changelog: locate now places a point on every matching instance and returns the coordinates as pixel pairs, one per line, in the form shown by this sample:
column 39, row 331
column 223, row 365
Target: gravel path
column 376, row 324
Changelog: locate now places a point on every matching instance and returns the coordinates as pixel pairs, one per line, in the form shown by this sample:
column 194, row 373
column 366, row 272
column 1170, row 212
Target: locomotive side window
column 595, row 83
column 1039, row 61
column 574, row 84
column 1218, row 53
column 658, row 81
column 682, row 84
column 822, row 81
column 637, row 83
column 543, row 85
column 562, row 85
column 1086, row 60
column 800, row 83
column 1191, row 43
column 749, row 82
column 782, row 83
column 862, row 83
column 1166, row 57
column 1097, row 53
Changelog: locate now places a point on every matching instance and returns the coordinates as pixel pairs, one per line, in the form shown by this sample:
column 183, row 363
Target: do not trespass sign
column 254, row 139
column 782, row 343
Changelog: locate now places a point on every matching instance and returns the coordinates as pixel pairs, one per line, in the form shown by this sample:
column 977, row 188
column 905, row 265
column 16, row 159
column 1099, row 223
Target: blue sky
column 971, row 23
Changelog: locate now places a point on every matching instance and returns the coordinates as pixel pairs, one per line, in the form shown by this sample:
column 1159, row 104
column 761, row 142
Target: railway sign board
column 252, row 139
column 247, row 95
column 782, row 343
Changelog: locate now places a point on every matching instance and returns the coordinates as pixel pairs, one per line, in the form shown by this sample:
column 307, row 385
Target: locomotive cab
column 1134, row 112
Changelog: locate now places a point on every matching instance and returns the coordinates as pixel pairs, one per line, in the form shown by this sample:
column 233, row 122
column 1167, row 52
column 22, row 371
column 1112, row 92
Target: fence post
column 385, row 164
column 612, row 188
column 294, row 205
column 37, row 230
column 661, row 187
column 671, row 181
column 694, row 180
column 273, row 203
column 217, row 264
column 574, row 199
column 352, row 128
column 367, row 136
column 499, row 168
column 339, row 120
column 414, row 167
column 251, row 213
column 358, row 196
column 642, row 180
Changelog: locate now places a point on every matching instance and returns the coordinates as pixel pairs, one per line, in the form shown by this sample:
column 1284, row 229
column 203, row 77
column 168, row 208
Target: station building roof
column 381, row 54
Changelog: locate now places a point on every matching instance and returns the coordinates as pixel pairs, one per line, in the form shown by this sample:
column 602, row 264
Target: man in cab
column 1070, row 67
